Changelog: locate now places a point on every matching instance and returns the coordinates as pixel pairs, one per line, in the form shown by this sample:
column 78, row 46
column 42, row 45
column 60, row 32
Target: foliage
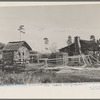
column 69, row 41
column 49, row 76
column 25, row 77
column 21, row 28
column 46, row 40
column 45, row 55
column 43, row 76
column 53, row 47
column 2, row 45
column 53, row 55
column 98, row 42
column 92, row 38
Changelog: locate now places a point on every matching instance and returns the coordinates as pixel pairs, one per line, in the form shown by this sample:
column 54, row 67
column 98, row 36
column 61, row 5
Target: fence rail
column 62, row 61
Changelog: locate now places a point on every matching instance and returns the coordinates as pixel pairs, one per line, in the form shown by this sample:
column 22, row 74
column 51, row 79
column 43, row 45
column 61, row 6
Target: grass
column 26, row 78
column 47, row 76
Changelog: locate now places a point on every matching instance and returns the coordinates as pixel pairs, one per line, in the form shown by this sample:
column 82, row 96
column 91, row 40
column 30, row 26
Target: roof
column 13, row 46
column 69, row 49
column 33, row 52
column 66, row 47
column 85, row 45
column 89, row 45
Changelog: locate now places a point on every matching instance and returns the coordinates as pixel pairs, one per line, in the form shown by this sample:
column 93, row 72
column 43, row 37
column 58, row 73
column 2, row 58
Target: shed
column 17, row 51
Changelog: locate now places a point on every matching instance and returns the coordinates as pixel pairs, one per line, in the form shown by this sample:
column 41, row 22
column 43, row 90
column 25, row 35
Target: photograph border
column 48, row 2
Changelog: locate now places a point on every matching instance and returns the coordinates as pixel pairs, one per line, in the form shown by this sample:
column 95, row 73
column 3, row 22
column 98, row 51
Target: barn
column 83, row 51
column 81, row 46
column 17, row 51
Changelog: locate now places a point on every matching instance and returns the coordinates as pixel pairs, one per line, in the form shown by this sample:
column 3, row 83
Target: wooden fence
column 64, row 61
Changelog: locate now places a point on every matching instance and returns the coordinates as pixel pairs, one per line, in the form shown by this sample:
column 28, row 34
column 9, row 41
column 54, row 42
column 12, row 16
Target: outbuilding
column 17, row 51
column 84, row 51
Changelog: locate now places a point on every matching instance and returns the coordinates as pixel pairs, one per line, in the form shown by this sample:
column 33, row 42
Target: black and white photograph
column 49, row 44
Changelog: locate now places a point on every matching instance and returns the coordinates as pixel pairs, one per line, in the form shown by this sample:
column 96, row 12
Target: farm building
column 81, row 46
column 16, row 52
column 89, row 51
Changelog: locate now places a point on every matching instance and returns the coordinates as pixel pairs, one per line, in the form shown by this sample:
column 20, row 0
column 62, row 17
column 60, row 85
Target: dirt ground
column 85, row 73
column 78, row 74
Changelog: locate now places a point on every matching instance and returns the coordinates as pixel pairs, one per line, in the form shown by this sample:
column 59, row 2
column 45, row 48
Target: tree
column 21, row 30
column 2, row 45
column 69, row 41
column 98, row 42
column 53, row 47
column 92, row 38
column 93, row 46
column 46, row 41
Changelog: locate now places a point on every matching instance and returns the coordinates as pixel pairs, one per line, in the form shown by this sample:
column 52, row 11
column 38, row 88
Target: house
column 89, row 51
column 17, row 51
column 80, row 46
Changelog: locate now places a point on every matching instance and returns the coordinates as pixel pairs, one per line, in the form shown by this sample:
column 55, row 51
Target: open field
column 38, row 74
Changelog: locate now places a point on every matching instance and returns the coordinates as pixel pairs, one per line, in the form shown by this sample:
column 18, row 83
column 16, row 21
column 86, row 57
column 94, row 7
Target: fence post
column 46, row 64
column 38, row 58
column 65, row 59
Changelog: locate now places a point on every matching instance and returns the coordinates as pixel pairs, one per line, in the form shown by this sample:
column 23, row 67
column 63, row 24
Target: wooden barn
column 17, row 51
column 89, row 51
column 81, row 46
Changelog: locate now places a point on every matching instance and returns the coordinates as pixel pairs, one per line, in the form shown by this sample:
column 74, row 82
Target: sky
column 54, row 22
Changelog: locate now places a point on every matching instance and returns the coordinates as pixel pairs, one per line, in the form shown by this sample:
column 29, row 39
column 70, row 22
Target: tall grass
column 42, row 76
column 26, row 78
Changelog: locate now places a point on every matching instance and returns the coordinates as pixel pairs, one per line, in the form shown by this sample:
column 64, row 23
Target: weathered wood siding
column 22, row 54
column 8, row 56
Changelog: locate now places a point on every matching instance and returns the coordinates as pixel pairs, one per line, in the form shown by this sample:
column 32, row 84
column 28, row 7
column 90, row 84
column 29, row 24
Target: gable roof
column 85, row 45
column 89, row 45
column 33, row 52
column 72, row 46
column 13, row 46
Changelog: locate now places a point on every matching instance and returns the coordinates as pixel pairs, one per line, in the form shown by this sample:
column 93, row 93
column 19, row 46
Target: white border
column 50, row 91
column 9, row 4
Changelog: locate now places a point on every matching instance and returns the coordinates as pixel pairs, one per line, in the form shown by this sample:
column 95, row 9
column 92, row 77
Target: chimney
column 77, row 45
